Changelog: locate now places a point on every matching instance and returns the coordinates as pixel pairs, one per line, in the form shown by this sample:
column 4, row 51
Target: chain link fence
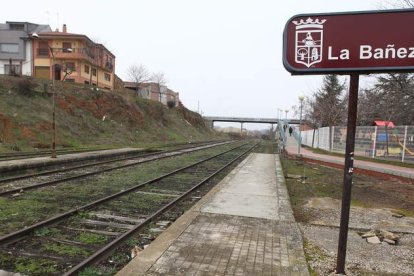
column 391, row 143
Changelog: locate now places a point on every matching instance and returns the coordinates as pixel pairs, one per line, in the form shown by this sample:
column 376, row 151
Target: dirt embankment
column 88, row 117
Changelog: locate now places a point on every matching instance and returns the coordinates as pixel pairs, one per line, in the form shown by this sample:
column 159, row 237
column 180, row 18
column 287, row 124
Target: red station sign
column 363, row 42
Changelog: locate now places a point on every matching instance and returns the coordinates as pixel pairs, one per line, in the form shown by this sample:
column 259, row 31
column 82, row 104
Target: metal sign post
column 349, row 43
column 348, row 172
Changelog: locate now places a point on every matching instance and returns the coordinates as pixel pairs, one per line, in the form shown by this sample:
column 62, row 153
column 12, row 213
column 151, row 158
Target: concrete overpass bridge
column 241, row 120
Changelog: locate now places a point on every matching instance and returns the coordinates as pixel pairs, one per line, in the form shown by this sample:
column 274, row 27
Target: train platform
column 243, row 226
column 292, row 148
column 36, row 162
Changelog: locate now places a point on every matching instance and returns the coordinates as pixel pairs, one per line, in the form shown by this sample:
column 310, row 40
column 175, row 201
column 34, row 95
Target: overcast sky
column 224, row 57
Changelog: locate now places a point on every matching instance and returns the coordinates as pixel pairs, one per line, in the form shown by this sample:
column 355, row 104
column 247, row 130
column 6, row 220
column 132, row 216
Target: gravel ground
column 321, row 236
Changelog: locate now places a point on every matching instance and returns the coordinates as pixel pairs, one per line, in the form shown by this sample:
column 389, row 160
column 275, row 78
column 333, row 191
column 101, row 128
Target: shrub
column 25, row 87
column 235, row 136
column 15, row 147
column 171, row 104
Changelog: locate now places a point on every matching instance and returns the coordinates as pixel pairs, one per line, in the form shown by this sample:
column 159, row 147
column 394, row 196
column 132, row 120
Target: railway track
column 23, row 155
column 42, row 153
column 71, row 241
column 16, row 184
column 38, row 199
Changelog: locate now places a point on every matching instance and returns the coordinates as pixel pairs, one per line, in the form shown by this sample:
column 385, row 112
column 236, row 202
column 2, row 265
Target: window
column 14, row 70
column 70, row 80
column 70, row 66
column 42, row 72
column 9, row 48
column 43, row 52
column 86, row 69
column 94, row 71
column 107, row 77
column 89, row 52
column 43, row 48
column 17, row 27
column 67, row 47
column 86, row 82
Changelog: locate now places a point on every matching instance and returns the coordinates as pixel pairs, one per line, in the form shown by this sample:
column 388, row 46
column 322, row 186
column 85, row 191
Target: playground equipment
column 410, row 152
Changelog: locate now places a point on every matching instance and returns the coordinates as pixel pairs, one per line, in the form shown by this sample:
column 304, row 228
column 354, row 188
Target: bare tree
column 390, row 99
column 402, row 4
column 397, row 4
column 139, row 75
column 407, row 3
column 160, row 80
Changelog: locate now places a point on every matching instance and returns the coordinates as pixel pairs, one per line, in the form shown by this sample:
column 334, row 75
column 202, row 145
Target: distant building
column 151, row 91
column 75, row 57
column 16, row 47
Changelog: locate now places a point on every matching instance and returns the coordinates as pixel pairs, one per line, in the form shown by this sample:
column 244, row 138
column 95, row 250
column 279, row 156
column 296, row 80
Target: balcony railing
column 109, row 66
column 44, row 52
column 66, row 51
column 75, row 53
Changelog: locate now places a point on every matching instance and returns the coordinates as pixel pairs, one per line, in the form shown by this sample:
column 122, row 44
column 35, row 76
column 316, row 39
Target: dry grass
column 89, row 118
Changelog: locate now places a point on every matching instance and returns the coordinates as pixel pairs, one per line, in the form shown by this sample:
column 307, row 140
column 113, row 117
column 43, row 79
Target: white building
column 16, row 51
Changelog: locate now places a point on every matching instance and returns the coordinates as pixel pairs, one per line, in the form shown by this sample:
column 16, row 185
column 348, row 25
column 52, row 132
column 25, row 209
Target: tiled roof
column 384, row 123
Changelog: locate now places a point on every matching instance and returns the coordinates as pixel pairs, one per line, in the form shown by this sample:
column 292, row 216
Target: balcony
column 75, row 54
column 109, row 66
column 66, row 53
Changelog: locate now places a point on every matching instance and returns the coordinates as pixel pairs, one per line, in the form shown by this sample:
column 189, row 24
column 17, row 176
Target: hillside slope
column 88, row 118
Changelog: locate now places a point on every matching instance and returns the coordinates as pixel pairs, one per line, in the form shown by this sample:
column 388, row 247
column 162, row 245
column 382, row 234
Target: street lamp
column 54, row 155
column 279, row 113
column 301, row 99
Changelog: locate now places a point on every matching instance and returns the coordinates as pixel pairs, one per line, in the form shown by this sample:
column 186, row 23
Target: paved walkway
column 292, row 148
column 244, row 226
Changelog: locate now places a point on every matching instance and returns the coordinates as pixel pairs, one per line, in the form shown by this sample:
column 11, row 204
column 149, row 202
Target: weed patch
column 63, row 249
column 28, row 266
column 91, row 238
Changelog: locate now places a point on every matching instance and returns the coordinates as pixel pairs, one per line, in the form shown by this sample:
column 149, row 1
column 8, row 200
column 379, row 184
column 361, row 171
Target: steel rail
column 22, row 155
column 20, row 177
column 105, row 251
column 186, row 143
column 57, row 181
column 154, row 152
column 14, row 236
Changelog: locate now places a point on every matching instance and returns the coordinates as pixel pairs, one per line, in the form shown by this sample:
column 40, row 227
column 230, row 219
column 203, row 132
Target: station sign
column 342, row 43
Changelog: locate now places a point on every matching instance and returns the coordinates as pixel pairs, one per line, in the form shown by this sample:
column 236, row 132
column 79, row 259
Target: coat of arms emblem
column 308, row 43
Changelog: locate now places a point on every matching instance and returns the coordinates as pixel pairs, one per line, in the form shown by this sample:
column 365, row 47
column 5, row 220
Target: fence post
column 374, row 145
column 318, row 138
column 313, row 137
column 332, row 138
column 405, row 144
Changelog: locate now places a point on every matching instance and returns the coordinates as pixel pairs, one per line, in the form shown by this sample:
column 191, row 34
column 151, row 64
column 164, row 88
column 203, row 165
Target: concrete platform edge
column 143, row 262
column 23, row 164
